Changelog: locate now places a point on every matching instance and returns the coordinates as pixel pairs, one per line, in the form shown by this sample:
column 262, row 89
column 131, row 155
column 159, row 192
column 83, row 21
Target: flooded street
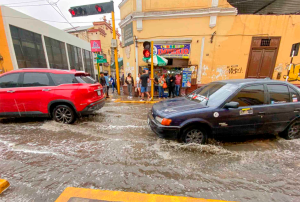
column 116, row 150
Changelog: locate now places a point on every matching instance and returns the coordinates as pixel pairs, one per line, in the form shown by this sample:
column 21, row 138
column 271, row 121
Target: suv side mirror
column 232, row 105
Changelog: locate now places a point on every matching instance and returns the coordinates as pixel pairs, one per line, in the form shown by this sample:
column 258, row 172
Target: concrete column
column 67, row 54
column 45, row 51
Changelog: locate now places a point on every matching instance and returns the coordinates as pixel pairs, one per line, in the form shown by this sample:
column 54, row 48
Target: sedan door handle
column 10, row 91
column 46, row 90
column 261, row 113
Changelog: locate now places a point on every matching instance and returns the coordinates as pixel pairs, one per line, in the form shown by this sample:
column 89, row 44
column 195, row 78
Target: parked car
column 229, row 108
column 60, row 94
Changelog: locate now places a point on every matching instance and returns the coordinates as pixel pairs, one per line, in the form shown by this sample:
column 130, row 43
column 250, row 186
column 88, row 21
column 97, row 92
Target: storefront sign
column 95, row 45
column 173, row 51
column 128, row 34
column 186, row 78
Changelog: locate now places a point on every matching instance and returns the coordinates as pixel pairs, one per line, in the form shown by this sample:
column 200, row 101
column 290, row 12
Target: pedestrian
column 156, row 83
column 103, row 82
column 112, row 81
column 144, row 85
column 177, row 84
column 129, row 81
column 107, row 84
column 161, row 82
column 138, row 85
column 171, row 86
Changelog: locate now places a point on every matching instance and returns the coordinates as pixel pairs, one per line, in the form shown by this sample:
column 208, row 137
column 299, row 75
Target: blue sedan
column 229, row 108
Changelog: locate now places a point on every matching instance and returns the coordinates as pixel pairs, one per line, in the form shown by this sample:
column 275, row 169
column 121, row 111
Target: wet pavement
column 116, row 150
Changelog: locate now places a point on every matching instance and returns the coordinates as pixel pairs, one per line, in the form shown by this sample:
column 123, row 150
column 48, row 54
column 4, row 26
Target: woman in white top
column 138, row 85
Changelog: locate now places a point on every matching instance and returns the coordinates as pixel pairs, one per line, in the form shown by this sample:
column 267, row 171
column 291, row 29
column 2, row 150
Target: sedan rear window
column 213, row 94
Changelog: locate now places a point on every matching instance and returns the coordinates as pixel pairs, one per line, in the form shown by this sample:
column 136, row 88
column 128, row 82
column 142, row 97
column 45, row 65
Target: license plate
column 98, row 92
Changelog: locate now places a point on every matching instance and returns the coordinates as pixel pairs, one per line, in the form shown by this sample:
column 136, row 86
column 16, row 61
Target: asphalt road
column 116, row 150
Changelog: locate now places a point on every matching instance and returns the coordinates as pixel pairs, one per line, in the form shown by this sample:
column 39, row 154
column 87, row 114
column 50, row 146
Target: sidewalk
column 125, row 99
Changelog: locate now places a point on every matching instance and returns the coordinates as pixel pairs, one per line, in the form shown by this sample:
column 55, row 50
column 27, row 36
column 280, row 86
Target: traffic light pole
column 116, row 53
column 152, row 72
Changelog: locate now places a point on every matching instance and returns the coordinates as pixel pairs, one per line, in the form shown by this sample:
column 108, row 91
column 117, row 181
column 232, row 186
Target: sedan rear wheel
column 293, row 131
column 194, row 135
column 64, row 114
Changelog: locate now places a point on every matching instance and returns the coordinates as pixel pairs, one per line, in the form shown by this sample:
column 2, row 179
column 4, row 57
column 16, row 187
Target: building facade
column 102, row 31
column 26, row 42
column 210, row 38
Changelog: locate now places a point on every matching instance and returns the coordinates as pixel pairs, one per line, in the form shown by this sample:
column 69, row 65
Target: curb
column 83, row 194
column 133, row 101
column 4, row 184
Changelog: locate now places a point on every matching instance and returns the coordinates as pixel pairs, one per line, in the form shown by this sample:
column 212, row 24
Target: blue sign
column 186, row 79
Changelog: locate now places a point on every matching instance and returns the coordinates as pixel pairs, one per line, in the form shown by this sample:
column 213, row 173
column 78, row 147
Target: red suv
column 62, row 95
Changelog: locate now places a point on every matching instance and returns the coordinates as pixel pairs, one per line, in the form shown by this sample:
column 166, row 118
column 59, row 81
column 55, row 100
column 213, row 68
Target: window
column 213, row 94
column 9, row 81
column 63, row 79
column 85, row 79
column 56, row 52
column 75, row 57
column 88, row 62
column 251, row 95
column 278, row 94
column 35, row 79
column 294, row 95
column 28, row 48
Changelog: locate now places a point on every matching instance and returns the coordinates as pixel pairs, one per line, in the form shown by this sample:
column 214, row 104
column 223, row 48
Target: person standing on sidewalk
column 103, row 82
column 129, row 81
column 171, row 86
column 161, row 82
column 177, row 84
column 107, row 84
column 144, row 85
column 138, row 85
column 112, row 81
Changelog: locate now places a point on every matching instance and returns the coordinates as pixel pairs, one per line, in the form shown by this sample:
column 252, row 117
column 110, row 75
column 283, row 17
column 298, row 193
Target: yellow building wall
column 167, row 5
column 128, row 8
column 5, row 64
column 226, row 57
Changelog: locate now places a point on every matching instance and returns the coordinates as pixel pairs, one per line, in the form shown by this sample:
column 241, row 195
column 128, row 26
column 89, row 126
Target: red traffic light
column 98, row 8
column 73, row 13
column 146, row 53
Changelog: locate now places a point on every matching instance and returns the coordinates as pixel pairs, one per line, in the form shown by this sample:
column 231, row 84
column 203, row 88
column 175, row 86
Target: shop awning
column 157, row 60
column 120, row 61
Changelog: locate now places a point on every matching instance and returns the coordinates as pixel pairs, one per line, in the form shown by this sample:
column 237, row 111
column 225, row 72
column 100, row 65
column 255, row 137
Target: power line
column 23, row 2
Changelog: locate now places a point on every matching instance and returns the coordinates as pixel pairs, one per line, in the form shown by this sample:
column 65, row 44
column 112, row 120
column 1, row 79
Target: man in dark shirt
column 172, row 86
column 144, row 81
column 103, row 82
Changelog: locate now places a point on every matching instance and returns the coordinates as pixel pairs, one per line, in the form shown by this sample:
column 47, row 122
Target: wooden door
column 262, row 59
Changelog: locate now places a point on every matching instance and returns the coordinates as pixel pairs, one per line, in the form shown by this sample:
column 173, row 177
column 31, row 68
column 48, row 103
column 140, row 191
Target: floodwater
column 116, row 150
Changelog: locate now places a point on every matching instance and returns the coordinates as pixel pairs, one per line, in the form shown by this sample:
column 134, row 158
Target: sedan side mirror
column 233, row 105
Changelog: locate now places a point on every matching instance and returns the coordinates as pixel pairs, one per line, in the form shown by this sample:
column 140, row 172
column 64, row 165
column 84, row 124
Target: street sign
column 95, row 45
column 101, row 61
column 295, row 49
column 100, row 56
column 92, row 9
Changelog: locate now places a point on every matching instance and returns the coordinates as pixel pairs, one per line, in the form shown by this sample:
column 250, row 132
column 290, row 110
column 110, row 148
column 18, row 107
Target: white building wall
column 18, row 19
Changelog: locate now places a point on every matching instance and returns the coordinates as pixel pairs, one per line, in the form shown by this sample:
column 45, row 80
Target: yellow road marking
column 72, row 194
column 4, row 184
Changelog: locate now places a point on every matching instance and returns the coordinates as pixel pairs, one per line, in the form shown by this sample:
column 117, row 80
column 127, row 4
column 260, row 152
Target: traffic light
column 92, row 9
column 147, row 51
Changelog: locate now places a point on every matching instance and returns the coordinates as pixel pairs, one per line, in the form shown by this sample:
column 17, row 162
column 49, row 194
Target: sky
column 40, row 9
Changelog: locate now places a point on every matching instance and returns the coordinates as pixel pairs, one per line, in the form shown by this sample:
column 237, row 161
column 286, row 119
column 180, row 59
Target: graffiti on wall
column 222, row 72
column 282, row 69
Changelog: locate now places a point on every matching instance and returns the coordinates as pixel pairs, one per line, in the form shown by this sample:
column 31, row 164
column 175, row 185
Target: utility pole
column 152, row 72
column 116, row 53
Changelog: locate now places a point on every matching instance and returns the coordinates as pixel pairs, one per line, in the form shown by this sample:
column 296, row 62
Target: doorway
column 262, row 57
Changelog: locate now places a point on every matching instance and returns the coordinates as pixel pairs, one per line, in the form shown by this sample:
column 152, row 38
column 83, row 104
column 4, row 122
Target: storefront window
column 75, row 57
column 56, row 52
column 28, row 48
column 88, row 62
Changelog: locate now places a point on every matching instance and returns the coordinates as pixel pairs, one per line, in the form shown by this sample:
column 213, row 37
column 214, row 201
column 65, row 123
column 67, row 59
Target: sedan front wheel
column 195, row 135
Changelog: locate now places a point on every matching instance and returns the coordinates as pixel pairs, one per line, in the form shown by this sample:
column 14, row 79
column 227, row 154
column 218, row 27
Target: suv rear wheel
column 194, row 134
column 64, row 114
column 292, row 132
